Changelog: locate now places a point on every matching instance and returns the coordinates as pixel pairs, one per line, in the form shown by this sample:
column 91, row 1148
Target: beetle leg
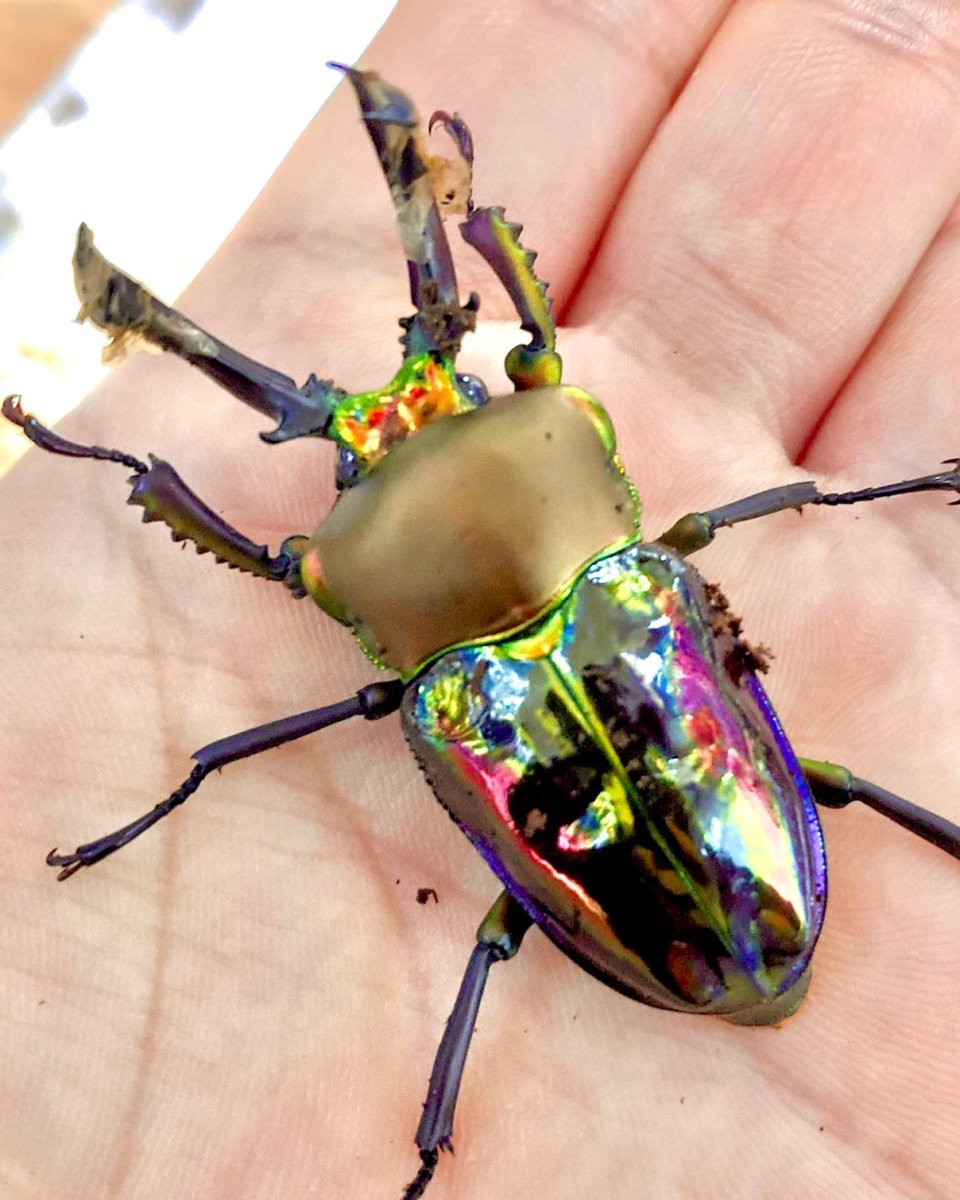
column 164, row 496
column 536, row 364
column 128, row 312
column 372, row 702
column 498, row 938
column 836, row 787
column 416, row 180
column 696, row 530
column 498, row 241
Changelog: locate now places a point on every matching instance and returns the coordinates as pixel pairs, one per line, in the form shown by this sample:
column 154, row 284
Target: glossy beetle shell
column 473, row 526
column 621, row 770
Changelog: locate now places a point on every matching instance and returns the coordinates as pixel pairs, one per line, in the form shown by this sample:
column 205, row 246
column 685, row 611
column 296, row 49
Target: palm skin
column 246, row 1002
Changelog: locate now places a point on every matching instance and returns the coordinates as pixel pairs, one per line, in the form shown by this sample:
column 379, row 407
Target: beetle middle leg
column 498, row 938
column 696, row 530
column 832, row 786
column 836, row 787
column 372, row 702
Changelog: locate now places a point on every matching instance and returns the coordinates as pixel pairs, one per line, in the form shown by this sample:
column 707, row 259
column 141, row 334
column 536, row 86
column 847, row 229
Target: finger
column 788, row 197
column 900, row 409
column 899, row 414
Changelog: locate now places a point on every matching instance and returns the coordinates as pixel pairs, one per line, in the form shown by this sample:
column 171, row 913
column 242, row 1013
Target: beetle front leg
column 498, row 938
column 836, row 787
column 163, row 495
column 696, row 530
column 130, row 313
column 536, row 364
column 372, row 702
column 496, row 239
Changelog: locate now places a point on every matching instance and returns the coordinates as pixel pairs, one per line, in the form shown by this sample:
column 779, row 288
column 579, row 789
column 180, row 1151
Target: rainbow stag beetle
column 579, row 699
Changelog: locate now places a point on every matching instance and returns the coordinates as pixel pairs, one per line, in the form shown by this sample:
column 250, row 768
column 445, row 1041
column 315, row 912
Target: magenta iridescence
column 630, row 784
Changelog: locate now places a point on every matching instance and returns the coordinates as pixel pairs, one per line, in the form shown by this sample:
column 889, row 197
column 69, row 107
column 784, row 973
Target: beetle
column 581, row 701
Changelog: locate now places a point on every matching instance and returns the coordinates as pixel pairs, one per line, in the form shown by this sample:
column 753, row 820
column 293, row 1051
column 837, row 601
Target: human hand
column 246, row 1002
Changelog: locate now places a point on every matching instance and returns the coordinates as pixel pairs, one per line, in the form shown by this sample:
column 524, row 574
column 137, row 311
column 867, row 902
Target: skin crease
column 756, row 262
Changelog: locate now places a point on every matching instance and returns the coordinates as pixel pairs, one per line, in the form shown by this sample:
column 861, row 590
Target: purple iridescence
column 625, row 776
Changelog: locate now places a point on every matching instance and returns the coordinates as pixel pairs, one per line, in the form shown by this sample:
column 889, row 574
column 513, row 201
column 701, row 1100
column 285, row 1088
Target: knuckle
column 923, row 34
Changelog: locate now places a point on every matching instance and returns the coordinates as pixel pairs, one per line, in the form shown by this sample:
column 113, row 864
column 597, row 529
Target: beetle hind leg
column 836, row 787
column 498, row 939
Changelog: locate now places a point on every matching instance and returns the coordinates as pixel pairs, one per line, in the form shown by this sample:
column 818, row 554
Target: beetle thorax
column 474, row 527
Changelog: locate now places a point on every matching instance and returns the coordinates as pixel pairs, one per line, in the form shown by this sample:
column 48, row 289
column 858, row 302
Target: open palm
column 755, row 263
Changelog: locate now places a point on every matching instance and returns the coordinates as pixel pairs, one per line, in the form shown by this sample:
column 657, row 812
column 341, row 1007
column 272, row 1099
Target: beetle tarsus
column 941, row 481
column 69, row 862
column 418, row 1185
column 955, row 475
column 92, row 852
column 52, row 442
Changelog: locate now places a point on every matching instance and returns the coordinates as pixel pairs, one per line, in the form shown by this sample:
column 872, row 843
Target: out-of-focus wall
column 36, row 39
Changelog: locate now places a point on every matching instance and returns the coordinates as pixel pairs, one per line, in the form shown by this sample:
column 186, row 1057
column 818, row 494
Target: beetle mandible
column 580, row 700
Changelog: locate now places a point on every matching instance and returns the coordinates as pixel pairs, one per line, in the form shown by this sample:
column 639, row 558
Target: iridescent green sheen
column 498, row 240
column 369, row 423
column 623, row 773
